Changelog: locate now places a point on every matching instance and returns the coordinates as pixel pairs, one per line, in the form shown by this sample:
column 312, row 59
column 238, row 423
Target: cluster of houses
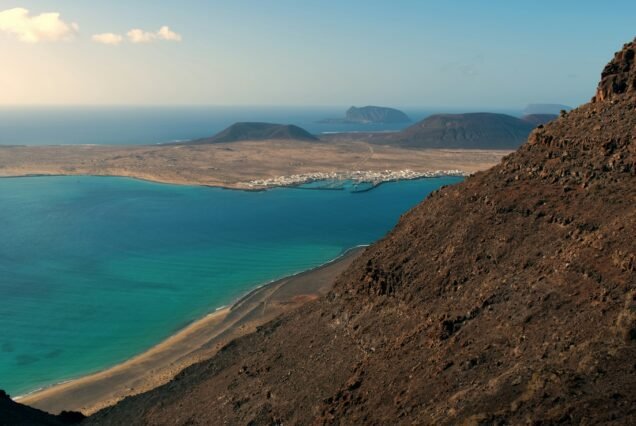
column 356, row 176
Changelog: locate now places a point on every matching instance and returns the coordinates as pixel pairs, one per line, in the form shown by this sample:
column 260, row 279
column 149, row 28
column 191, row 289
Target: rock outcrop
column 618, row 77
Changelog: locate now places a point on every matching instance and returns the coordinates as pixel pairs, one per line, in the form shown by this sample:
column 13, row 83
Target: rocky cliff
column 618, row 77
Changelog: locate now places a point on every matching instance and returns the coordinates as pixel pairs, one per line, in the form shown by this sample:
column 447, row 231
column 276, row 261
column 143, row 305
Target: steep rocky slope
column 507, row 299
column 257, row 131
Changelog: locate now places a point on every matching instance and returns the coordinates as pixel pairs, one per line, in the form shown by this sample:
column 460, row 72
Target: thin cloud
column 165, row 33
column 137, row 35
column 108, row 38
column 140, row 36
column 27, row 28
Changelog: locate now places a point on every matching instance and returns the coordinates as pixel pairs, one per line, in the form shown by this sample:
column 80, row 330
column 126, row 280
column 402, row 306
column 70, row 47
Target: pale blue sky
column 490, row 54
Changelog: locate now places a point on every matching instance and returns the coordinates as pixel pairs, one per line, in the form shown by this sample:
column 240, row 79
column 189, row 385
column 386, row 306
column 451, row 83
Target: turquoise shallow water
column 94, row 270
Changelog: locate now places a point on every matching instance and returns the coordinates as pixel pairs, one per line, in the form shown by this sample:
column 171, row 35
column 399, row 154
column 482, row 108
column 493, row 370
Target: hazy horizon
column 411, row 54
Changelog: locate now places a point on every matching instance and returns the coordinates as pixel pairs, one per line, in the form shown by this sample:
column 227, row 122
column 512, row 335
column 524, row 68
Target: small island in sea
column 370, row 115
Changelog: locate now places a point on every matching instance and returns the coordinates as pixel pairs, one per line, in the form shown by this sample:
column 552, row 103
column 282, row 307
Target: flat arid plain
column 239, row 164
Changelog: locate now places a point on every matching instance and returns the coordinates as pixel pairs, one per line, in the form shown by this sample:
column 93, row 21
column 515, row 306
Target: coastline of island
column 252, row 166
column 195, row 342
column 373, row 178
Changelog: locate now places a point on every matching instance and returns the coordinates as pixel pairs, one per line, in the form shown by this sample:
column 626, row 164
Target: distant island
column 532, row 109
column 483, row 130
column 370, row 115
column 248, row 131
column 480, row 130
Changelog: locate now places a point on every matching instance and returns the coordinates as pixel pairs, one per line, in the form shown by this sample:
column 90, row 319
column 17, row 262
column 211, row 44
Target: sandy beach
column 196, row 342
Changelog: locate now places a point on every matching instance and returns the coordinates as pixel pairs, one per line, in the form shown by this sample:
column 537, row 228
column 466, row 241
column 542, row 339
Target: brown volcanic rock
column 521, row 303
column 619, row 76
column 507, row 299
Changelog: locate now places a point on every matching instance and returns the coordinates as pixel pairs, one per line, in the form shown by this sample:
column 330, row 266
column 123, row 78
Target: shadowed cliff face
column 507, row 299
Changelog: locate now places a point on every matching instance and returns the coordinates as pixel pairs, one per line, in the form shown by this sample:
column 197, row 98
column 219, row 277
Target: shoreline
column 296, row 181
column 207, row 317
column 196, row 341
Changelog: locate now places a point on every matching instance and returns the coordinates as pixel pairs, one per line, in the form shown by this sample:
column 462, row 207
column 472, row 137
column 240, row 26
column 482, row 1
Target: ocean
column 153, row 125
column 94, row 270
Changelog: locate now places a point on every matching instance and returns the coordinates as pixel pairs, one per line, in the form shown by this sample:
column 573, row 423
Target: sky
column 490, row 54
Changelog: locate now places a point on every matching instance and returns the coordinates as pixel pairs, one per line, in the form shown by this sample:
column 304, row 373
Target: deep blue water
column 94, row 270
column 151, row 125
